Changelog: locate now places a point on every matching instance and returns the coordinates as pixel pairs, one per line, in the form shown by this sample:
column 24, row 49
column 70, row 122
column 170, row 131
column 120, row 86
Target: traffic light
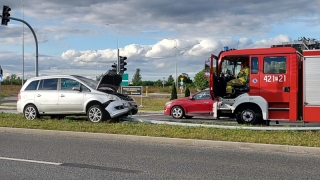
column 122, row 63
column 5, row 15
column 114, row 67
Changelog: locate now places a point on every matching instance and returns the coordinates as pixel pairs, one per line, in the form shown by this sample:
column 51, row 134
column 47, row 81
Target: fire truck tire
column 249, row 115
column 177, row 112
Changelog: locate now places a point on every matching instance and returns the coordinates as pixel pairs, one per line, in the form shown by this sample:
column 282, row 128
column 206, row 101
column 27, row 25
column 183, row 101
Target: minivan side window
column 68, row 84
column 48, row 84
column 32, row 86
column 84, row 88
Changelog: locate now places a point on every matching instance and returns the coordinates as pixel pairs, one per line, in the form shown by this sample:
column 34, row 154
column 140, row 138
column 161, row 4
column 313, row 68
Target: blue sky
column 154, row 35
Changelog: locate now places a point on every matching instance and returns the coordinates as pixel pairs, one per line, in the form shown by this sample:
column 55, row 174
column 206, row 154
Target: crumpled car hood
column 110, row 80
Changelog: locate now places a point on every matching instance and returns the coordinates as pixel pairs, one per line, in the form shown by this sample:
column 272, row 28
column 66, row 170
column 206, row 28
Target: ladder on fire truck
column 301, row 44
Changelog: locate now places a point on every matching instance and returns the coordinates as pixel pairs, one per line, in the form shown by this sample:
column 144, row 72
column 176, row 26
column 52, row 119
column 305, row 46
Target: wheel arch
column 257, row 101
column 30, row 103
column 91, row 103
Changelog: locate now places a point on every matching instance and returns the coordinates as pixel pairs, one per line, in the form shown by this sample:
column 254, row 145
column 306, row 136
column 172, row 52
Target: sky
column 161, row 38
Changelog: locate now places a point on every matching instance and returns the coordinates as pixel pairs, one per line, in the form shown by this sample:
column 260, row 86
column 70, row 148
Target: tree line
column 12, row 80
column 199, row 81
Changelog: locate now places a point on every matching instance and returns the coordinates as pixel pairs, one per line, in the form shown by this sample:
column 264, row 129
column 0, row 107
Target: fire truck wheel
column 249, row 115
column 177, row 112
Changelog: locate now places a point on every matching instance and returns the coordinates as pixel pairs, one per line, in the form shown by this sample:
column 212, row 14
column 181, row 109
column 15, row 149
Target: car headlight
column 168, row 103
column 113, row 97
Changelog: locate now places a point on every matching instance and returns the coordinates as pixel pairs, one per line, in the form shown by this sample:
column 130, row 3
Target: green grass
column 78, row 124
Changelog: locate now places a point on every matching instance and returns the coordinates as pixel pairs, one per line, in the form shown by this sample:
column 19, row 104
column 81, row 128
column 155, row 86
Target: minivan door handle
column 62, row 95
column 38, row 95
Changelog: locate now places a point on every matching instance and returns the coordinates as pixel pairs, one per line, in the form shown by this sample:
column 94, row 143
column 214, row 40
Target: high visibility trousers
column 233, row 82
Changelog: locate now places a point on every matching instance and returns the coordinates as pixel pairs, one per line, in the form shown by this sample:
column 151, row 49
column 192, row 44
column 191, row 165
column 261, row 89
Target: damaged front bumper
column 121, row 107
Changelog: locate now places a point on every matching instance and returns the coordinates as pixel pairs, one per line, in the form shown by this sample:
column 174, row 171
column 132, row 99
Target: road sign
column 181, row 79
column 181, row 83
column 0, row 77
column 125, row 80
column 131, row 90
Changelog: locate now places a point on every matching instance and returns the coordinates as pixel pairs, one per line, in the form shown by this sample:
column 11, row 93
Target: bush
column 174, row 94
column 187, row 92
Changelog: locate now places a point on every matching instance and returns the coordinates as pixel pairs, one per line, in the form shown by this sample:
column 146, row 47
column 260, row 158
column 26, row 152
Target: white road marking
column 30, row 161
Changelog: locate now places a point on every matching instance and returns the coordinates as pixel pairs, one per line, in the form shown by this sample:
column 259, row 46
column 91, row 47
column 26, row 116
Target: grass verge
column 78, row 124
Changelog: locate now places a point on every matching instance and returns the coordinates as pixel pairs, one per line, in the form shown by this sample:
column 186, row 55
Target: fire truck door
column 254, row 77
column 275, row 80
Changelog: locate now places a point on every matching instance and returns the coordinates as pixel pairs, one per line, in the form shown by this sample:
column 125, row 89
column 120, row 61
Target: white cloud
column 73, row 34
column 160, row 65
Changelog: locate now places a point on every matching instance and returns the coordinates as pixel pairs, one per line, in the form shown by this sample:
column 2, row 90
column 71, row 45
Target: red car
column 198, row 104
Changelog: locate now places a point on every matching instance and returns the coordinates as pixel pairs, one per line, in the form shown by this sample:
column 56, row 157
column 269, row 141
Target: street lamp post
column 177, row 61
column 22, row 42
column 118, row 57
column 175, row 47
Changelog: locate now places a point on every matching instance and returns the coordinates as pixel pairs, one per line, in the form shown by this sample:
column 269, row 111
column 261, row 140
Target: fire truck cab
column 283, row 84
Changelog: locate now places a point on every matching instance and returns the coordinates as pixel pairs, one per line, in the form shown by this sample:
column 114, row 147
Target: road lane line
column 30, row 161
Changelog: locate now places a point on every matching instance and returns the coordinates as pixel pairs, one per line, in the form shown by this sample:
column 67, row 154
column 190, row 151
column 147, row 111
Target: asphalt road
column 49, row 157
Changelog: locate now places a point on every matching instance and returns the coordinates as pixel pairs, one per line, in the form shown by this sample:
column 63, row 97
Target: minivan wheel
column 30, row 112
column 96, row 114
column 177, row 112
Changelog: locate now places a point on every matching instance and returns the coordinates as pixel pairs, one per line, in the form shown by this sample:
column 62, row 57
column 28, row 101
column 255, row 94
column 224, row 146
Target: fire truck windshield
column 230, row 68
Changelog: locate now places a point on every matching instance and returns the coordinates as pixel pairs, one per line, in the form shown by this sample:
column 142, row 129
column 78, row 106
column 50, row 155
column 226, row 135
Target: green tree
column 158, row 83
column 174, row 94
column 200, row 81
column 13, row 79
column 186, row 78
column 169, row 81
column 136, row 80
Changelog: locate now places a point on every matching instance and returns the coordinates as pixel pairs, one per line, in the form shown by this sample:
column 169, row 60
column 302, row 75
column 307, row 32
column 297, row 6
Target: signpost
column 132, row 90
column 181, row 83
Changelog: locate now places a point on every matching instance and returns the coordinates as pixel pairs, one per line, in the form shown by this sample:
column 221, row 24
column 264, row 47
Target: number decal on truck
column 274, row 78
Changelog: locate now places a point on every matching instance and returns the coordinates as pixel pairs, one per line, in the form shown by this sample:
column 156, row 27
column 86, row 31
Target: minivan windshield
column 89, row 82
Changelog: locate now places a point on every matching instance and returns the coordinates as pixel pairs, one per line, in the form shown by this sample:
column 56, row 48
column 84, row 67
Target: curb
column 172, row 141
column 7, row 107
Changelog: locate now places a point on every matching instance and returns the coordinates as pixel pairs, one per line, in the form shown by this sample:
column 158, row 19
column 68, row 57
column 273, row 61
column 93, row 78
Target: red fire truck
column 283, row 83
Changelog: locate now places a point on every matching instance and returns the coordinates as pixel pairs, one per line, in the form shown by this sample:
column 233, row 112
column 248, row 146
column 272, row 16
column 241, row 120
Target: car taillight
column 19, row 96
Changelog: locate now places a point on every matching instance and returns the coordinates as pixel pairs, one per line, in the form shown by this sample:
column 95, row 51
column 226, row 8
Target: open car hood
column 110, row 80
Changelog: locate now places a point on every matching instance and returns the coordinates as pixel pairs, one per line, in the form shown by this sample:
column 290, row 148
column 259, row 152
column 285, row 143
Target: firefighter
column 241, row 79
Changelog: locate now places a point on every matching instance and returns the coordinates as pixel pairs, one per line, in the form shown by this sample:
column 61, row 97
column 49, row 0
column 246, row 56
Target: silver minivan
column 62, row 95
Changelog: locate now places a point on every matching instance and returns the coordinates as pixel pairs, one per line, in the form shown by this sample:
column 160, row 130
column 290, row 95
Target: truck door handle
column 62, row 95
column 286, row 89
column 38, row 95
